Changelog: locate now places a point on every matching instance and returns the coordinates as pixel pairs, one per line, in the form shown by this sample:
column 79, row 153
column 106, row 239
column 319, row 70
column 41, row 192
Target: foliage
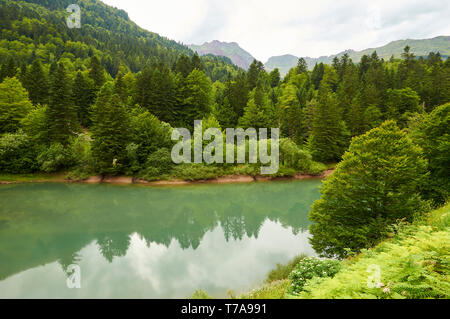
column 309, row 268
column 16, row 154
column 432, row 133
column 273, row 290
column 14, row 105
column 282, row 272
column 199, row 295
column 376, row 184
column 53, row 159
column 413, row 265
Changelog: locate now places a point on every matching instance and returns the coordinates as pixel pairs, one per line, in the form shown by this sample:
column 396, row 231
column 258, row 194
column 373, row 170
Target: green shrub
column 192, row 172
column 309, row 268
column 200, row 294
column 316, row 168
column 283, row 271
column 54, row 158
column 16, row 153
column 158, row 164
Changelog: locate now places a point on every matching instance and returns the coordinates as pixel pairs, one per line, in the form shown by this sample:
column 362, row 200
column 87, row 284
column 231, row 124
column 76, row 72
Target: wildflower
column 380, row 285
column 387, row 290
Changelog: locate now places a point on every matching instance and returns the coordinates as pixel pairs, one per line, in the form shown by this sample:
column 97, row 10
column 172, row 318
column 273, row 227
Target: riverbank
column 413, row 264
column 6, row 179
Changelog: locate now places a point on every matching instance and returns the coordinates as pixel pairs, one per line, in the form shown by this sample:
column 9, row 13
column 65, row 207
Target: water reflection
column 148, row 242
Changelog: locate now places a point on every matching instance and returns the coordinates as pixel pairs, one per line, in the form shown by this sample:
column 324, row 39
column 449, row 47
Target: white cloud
column 303, row 28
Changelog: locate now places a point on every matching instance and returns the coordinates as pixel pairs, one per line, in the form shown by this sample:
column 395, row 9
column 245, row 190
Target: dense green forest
column 105, row 98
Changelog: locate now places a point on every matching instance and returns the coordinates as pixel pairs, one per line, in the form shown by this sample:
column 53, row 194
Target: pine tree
column 292, row 123
column 97, row 73
column 254, row 73
column 37, row 84
column 329, row 135
column 61, row 114
column 83, row 94
column 14, row 105
column 275, row 78
column 196, row 98
column 302, row 66
column 259, row 113
column 8, row 69
column 110, row 132
column 196, row 62
column 317, row 75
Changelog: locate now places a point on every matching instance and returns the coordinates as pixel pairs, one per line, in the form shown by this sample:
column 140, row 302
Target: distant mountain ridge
column 231, row 50
column 421, row 47
column 284, row 63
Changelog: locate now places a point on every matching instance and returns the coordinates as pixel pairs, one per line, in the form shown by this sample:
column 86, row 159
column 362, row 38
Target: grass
column 28, row 178
column 414, row 264
column 282, row 271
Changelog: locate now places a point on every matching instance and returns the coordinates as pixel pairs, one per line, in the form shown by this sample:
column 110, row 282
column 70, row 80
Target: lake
column 149, row 242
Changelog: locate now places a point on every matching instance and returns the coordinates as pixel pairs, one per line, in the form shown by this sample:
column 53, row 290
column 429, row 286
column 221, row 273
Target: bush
column 54, row 158
column 283, row 271
column 200, row 294
column 309, row 268
column 16, row 154
column 159, row 163
column 192, row 172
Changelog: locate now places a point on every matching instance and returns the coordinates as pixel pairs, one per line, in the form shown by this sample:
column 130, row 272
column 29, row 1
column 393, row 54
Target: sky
column 311, row 28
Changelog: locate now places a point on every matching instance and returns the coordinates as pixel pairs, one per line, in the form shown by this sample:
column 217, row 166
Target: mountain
column 106, row 32
column 419, row 47
column 283, row 62
column 231, row 50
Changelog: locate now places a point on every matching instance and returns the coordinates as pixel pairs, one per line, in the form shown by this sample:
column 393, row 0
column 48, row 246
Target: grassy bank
column 29, row 178
column 185, row 173
column 414, row 263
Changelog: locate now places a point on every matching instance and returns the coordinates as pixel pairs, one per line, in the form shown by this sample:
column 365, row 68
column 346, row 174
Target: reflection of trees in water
column 71, row 216
column 70, row 259
column 113, row 245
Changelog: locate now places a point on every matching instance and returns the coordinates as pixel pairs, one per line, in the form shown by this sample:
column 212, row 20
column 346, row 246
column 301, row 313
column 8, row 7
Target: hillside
column 419, row 47
column 107, row 32
column 232, row 50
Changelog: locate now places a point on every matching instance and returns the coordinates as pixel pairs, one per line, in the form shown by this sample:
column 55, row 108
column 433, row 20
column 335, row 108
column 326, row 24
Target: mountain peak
column 231, row 50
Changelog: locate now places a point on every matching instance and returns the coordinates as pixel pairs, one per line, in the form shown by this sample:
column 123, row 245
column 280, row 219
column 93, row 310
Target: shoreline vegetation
column 8, row 179
column 413, row 263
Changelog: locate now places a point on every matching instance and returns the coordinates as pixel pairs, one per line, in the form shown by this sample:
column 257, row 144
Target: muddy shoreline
column 123, row 180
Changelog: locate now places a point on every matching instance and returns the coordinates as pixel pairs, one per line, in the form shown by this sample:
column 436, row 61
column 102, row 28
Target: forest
column 104, row 99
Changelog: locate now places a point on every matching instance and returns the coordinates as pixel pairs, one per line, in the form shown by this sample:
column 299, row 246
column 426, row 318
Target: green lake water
column 148, row 242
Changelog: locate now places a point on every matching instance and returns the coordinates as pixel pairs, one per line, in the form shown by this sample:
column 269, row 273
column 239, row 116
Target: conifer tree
column 259, row 113
column 61, row 112
column 110, row 132
column 292, row 124
column 37, row 84
column 8, row 69
column 196, row 98
column 275, row 78
column 83, row 94
column 302, row 66
column 97, row 73
column 329, row 135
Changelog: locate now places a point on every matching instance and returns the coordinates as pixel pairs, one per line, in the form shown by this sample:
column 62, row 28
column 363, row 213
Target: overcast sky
column 303, row 28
